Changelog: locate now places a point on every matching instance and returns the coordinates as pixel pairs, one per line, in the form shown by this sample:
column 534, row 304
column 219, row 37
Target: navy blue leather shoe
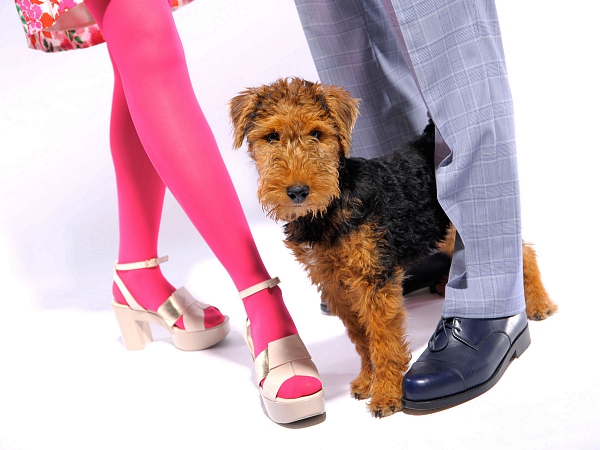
column 464, row 359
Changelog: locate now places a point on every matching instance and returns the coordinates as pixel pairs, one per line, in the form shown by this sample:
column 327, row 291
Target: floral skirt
column 75, row 29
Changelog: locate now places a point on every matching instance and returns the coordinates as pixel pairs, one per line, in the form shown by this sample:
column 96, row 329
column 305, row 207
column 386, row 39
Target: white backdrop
column 65, row 377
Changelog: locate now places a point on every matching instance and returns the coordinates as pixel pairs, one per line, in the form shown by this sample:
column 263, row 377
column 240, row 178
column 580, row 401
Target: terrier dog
column 356, row 225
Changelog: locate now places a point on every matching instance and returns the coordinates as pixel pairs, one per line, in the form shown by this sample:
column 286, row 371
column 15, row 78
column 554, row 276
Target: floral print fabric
column 38, row 15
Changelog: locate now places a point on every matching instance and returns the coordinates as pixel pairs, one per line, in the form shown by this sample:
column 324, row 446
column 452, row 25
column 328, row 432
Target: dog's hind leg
column 538, row 304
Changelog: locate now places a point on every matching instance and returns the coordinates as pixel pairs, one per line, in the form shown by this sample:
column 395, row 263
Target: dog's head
column 297, row 133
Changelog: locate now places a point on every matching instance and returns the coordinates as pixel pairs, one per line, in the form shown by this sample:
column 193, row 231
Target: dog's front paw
column 360, row 388
column 383, row 407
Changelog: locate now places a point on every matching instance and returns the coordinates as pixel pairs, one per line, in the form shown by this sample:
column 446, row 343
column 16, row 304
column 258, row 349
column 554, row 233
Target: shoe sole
column 516, row 350
column 292, row 410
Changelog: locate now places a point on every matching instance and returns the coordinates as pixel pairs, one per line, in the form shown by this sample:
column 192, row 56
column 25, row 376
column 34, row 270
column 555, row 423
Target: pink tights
column 160, row 138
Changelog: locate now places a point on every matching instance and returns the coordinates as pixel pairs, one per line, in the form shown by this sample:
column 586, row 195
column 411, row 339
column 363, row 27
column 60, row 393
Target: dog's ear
column 343, row 108
column 241, row 108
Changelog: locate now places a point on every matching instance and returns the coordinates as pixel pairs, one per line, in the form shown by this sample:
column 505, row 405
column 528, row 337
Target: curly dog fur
column 356, row 225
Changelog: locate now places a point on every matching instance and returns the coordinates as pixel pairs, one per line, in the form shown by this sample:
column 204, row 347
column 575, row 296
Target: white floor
column 66, row 382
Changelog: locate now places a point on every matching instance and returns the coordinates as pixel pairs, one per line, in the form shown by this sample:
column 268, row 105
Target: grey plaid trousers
column 403, row 58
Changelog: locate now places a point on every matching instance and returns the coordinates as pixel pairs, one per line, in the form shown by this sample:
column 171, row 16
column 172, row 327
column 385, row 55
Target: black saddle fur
column 396, row 192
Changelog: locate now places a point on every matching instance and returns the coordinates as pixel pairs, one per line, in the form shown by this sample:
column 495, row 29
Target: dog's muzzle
column 297, row 193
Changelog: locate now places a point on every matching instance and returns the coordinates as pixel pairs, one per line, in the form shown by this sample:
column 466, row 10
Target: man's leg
column 455, row 52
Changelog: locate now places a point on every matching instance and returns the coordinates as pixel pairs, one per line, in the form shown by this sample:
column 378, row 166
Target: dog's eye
column 315, row 134
column 272, row 137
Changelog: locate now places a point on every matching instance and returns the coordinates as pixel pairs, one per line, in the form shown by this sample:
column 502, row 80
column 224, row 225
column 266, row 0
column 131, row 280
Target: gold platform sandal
column 280, row 361
column 134, row 321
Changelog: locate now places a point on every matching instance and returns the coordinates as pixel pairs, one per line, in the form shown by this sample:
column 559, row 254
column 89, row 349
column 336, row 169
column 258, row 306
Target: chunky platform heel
column 281, row 360
column 134, row 321
column 136, row 334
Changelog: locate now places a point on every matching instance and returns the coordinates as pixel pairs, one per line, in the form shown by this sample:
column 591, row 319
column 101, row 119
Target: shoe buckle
column 149, row 263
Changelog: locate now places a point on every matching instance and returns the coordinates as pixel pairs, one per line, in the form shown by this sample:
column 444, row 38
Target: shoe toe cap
column 428, row 380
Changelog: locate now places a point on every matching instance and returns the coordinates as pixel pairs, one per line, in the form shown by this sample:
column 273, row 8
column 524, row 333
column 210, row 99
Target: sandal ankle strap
column 149, row 263
column 153, row 262
column 259, row 287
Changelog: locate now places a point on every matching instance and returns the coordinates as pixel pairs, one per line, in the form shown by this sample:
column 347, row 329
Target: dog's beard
column 277, row 205
column 290, row 213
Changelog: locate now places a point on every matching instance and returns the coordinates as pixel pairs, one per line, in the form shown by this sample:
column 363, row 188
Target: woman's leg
column 147, row 50
column 140, row 197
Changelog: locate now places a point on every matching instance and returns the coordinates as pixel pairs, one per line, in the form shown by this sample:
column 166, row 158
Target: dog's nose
column 297, row 193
